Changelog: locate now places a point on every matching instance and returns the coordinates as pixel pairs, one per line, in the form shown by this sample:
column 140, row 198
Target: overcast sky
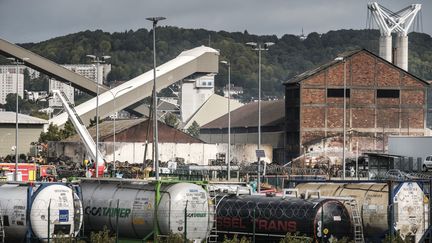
column 38, row 20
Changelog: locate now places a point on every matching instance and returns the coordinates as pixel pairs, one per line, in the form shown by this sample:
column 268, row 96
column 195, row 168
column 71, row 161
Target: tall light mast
column 394, row 22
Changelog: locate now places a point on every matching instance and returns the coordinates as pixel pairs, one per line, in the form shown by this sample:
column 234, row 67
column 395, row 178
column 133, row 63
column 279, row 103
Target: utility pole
column 155, row 20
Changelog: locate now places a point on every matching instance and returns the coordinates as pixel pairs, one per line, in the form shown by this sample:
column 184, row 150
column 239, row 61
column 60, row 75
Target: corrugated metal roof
column 9, row 117
column 346, row 54
column 272, row 113
column 135, row 130
column 106, row 128
column 216, row 106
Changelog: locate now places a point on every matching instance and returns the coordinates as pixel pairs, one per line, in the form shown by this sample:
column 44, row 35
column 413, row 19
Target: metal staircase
column 2, row 233
column 213, row 236
column 357, row 221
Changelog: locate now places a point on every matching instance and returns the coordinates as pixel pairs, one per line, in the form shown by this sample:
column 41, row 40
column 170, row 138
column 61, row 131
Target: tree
column 93, row 121
column 53, row 134
column 194, row 130
column 171, row 120
column 68, row 130
column 11, row 102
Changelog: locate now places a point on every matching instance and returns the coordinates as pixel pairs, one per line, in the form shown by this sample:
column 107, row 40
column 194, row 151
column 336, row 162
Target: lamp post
column 17, row 62
column 259, row 47
column 114, row 120
column 97, row 60
column 155, row 20
column 344, row 116
column 229, row 120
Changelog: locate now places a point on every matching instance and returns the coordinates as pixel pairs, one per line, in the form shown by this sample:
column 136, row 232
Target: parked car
column 427, row 163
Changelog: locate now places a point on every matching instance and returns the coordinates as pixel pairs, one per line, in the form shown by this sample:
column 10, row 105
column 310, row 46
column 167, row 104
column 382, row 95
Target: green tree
column 93, row 121
column 235, row 239
column 171, row 120
column 11, row 102
column 52, row 134
column 68, row 130
column 194, row 130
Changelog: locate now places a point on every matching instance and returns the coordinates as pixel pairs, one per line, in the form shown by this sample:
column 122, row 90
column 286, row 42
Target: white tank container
column 136, row 208
column 24, row 208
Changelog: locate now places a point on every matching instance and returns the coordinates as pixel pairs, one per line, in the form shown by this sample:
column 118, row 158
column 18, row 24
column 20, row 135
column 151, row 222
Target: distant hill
column 131, row 52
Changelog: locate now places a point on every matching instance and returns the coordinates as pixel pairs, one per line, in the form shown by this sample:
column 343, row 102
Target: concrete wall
column 198, row 153
column 26, row 135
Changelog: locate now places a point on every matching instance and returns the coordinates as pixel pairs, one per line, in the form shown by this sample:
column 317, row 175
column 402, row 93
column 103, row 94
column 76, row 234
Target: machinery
column 35, row 212
column 271, row 218
column 138, row 209
column 409, row 205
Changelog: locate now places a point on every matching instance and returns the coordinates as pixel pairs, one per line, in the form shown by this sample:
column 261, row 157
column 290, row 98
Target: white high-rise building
column 87, row 70
column 9, row 81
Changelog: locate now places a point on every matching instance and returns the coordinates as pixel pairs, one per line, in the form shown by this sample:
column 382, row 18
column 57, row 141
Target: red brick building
column 381, row 99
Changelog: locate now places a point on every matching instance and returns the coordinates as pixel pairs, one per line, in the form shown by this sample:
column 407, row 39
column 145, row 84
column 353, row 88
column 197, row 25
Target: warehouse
column 29, row 131
column 244, row 127
column 381, row 99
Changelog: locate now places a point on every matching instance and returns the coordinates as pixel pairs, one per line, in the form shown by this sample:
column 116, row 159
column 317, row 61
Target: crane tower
column 394, row 22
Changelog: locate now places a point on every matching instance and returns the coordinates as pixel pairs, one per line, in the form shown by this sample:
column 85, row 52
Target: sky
column 38, row 20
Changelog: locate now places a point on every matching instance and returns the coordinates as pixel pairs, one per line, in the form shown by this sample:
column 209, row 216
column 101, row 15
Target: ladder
column 213, row 236
column 2, row 233
column 357, row 221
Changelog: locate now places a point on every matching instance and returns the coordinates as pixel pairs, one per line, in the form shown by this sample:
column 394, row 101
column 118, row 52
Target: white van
column 427, row 163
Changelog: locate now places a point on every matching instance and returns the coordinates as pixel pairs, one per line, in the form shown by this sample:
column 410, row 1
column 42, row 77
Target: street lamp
column 98, row 61
column 259, row 47
column 17, row 62
column 229, row 119
column 344, row 116
column 155, row 20
column 114, row 118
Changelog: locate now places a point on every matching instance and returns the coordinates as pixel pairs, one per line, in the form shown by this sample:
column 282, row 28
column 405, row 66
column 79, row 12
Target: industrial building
column 381, row 99
column 29, row 130
column 244, row 127
column 131, row 140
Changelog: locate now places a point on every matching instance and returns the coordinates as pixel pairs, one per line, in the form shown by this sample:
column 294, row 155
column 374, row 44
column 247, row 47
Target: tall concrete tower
column 394, row 22
column 195, row 90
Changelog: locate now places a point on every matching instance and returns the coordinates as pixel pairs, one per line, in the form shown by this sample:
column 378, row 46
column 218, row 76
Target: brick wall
column 322, row 116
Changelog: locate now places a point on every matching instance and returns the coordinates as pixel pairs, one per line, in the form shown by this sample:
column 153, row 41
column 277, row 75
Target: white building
column 9, row 81
column 87, row 70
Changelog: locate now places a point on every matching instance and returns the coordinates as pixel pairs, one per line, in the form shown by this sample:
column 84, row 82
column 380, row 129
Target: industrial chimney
column 394, row 22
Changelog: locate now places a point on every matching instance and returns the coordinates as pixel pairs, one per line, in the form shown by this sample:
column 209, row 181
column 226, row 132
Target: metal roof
column 272, row 114
column 347, row 54
column 167, row 134
column 8, row 117
column 216, row 106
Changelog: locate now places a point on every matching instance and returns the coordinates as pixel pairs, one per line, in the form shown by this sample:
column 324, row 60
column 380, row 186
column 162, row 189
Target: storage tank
column 273, row 217
column 27, row 208
column 410, row 205
column 132, row 203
